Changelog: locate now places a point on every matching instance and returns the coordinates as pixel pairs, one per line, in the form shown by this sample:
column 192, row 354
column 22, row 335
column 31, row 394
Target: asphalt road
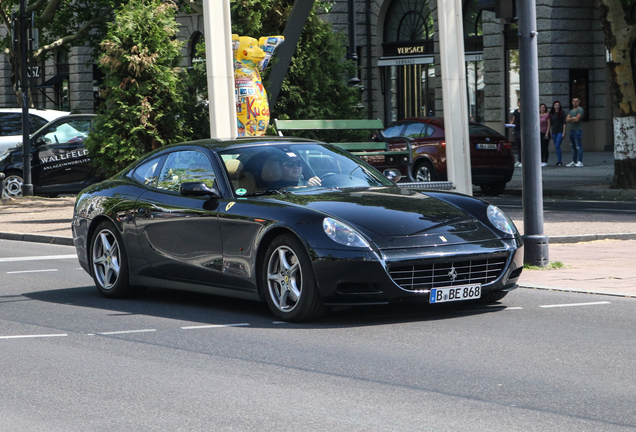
column 75, row 361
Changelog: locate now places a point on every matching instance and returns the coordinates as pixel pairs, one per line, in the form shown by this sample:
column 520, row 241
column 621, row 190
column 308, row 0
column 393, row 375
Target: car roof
column 226, row 143
column 435, row 121
column 44, row 113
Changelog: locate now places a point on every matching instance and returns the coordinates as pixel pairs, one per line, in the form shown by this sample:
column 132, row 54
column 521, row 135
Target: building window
column 579, row 87
column 408, row 20
column 62, row 97
column 195, row 57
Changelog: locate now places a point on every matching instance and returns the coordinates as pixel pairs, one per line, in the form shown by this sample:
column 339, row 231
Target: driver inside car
column 286, row 171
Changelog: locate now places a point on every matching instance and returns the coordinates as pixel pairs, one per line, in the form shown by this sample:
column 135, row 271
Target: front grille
column 422, row 276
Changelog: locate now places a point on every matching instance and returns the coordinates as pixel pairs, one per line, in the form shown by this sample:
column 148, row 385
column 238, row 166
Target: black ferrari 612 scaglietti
column 298, row 224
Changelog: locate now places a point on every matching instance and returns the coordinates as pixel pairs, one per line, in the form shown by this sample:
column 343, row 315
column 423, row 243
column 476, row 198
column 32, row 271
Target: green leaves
column 142, row 89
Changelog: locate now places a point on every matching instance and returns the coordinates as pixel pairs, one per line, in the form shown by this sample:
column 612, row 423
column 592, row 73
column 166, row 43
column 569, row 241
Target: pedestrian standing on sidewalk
column 544, row 122
column 557, row 123
column 574, row 119
column 516, row 120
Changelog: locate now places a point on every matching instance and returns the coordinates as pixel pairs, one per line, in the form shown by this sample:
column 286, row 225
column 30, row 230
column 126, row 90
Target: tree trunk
column 619, row 38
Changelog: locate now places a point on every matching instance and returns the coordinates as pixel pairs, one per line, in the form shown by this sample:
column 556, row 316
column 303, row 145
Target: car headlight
column 500, row 220
column 343, row 234
column 4, row 155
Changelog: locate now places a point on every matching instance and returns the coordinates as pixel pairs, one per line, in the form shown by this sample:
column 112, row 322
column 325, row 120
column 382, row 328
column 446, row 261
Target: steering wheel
column 327, row 175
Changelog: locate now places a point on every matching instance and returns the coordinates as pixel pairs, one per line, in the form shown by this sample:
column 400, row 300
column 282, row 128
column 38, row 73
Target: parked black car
column 298, row 224
column 59, row 160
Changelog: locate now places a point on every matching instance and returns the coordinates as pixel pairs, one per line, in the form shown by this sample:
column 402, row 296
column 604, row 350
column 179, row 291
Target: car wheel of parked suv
column 493, row 189
column 12, row 185
column 424, row 172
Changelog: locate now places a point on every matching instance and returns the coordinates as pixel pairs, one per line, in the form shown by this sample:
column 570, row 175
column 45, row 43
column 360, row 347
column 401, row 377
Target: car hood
column 398, row 218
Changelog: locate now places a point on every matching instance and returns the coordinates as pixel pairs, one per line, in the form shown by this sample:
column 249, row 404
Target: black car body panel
column 216, row 244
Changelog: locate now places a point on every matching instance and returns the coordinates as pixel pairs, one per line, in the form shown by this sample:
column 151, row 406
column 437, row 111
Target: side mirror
column 198, row 189
column 40, row 141
column 392, row 174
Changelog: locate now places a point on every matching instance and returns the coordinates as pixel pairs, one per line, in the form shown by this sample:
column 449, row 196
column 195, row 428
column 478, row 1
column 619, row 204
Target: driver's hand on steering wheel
column 314, row 181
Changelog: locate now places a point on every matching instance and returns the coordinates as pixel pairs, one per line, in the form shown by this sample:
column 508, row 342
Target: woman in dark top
column 557, row 123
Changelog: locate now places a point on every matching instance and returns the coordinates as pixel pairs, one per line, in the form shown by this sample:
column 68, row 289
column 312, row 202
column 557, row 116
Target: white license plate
column 487, row 146
column 463, row 292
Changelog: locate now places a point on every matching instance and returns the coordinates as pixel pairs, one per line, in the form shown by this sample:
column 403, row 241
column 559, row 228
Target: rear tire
column 493, row 189
column 288, row 281
column 424, row 171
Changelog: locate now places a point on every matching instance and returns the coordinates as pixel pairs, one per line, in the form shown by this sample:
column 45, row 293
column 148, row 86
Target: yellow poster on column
column 251, row 57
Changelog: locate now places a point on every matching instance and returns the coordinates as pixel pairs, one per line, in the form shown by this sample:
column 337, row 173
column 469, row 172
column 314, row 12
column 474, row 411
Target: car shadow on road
column 208, row 309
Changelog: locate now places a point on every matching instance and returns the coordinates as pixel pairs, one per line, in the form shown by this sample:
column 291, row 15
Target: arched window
column 194, row 41
column 408, row 20
column 472, row 19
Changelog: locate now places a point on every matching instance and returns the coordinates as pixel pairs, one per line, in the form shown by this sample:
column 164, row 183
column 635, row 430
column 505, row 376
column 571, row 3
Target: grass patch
column 554, row 265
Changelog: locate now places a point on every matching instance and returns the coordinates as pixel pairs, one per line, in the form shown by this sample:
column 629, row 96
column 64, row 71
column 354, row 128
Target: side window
column 185, row 166
column 36, row 122
column 146, row 173
column 393, row 131
column 415, row 130
column 11, row 124
column 72, row 131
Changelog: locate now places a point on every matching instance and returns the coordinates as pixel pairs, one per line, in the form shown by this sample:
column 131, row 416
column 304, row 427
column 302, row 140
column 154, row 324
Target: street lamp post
column 27, row 186
column 353, row 53
column 536, row 242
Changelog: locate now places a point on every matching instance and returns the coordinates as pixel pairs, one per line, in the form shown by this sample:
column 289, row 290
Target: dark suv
column 59, row 161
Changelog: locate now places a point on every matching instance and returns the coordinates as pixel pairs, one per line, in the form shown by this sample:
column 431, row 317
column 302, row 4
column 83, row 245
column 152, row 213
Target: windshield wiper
column 266, row 192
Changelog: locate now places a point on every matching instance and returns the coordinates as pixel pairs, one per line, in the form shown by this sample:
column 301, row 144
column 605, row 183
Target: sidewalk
column 597, row 255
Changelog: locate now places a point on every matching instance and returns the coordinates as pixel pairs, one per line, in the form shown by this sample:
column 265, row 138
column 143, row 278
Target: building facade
column 399, row 63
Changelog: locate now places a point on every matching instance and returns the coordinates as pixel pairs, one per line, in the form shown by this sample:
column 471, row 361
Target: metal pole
column 536, row 242
column 27, row 186
column 454, row 94
column 220, row 68
column 353, row 49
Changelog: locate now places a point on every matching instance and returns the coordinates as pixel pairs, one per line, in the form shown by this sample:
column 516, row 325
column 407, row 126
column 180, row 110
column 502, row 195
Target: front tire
column 424, row 172
column 288, row 281
column 12, row 185
column 109, row 262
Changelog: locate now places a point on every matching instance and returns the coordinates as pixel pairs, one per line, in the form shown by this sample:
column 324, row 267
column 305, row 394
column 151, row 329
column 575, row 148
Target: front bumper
column 351, row 277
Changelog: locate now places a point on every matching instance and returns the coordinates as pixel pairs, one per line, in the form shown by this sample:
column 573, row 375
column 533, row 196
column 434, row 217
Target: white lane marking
column 32, row 271
column 33, row 336
column 38, row 258
column 576, row 304
column 514, row 308
column 280, row 322
column 127, row 331
column 214, row 326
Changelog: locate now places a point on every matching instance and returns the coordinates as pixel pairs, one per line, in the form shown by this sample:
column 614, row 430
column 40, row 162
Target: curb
column 601, row 195
column 590, row 238
column 574, row 290
column 36, row 238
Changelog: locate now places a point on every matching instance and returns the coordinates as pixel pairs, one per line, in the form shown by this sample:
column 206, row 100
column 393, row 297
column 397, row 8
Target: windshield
column 286, row 167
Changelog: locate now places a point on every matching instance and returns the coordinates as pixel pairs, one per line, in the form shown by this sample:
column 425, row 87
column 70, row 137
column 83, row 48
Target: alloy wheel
column 12, row 186
column 423, row 174
column 106, row 259
column 284, row 278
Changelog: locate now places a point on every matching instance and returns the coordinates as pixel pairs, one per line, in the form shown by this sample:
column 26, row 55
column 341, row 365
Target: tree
column 619, row 27
column 318, row 63
column 142, row 90
column 62, row 23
